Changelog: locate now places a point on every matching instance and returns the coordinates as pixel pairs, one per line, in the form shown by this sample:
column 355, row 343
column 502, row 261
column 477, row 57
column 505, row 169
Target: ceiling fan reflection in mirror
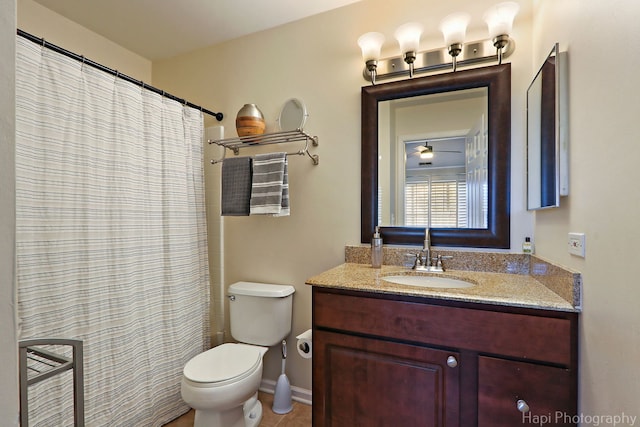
column 426, row 150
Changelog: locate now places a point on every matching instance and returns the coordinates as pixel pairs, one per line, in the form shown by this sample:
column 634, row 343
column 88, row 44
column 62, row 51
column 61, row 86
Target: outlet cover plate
column 577, row 244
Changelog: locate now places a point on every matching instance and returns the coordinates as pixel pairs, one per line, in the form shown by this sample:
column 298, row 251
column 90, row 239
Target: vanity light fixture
column 499, row 20
column 454, row 28
column 408, row 36
column 371, row 43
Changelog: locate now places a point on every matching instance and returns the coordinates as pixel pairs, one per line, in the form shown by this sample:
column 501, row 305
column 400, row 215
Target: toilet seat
column 227, row 363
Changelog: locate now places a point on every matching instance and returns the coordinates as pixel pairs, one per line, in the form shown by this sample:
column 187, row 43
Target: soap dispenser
column 376, row 249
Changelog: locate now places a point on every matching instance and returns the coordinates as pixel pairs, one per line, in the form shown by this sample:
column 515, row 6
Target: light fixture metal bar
column 475, row 52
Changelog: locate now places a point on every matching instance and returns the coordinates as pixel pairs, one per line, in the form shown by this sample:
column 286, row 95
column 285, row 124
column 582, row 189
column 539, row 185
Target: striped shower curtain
column 111, row 238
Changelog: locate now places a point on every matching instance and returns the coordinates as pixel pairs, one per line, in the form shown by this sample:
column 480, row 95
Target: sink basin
column 429, row 281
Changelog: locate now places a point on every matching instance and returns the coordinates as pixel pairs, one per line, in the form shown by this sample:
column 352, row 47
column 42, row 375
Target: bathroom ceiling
column 157, row 29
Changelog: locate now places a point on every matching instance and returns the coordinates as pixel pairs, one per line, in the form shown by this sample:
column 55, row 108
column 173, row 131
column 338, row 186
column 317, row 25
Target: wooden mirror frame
column 497, row 79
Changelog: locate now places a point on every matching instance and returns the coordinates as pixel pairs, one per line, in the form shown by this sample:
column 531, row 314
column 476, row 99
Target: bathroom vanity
column 502, row 353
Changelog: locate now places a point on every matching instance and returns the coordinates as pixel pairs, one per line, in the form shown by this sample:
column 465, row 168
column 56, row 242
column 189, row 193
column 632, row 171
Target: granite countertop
column 518, row 290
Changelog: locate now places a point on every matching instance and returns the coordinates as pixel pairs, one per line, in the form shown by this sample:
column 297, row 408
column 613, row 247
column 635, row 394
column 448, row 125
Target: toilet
column 221, row 384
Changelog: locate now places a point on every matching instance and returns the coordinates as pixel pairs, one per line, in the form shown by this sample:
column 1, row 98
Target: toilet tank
column 260, row 313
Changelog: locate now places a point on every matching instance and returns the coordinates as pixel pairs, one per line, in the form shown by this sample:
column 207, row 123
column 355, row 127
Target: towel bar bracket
column 235, row 144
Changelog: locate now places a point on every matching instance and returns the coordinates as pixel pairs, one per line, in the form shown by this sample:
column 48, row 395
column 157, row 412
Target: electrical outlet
column 576, row 244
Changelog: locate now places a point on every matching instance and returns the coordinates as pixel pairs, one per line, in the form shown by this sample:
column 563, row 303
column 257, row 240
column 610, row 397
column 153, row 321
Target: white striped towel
column 270, row 187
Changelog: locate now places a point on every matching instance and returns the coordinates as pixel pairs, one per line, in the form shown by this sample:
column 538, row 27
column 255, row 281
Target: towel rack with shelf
column 235, row 144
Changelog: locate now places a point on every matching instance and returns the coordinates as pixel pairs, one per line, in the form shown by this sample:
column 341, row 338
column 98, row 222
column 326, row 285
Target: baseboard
column 297, row 393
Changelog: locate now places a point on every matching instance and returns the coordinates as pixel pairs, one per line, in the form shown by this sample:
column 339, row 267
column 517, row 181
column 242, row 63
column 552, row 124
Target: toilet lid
column 221, row 363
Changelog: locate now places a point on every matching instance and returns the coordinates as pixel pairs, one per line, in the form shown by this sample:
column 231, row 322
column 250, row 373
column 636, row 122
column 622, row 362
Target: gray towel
column 269, row 185
column 285, row 190
column 236, row 186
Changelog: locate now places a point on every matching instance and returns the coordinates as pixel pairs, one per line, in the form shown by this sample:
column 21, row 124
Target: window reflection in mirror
column 433, row 160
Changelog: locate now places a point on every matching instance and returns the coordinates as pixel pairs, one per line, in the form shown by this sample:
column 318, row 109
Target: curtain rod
column 58, row 49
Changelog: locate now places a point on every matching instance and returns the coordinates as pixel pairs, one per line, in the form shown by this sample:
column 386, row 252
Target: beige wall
column 318, row 61
column 604, row 201
column 42, row 22
column 9, row 406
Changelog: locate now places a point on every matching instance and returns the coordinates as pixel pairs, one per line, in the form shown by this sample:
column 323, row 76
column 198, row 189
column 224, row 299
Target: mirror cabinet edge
column 560, row 122
column 498, row 80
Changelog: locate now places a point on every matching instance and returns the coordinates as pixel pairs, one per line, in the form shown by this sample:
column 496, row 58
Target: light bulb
column 454, row 28
column 499, row 18
column 408, row 36
column 426, row 155
column 371, row 43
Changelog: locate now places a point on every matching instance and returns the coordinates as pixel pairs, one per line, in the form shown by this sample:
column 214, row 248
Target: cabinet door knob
column 452, row 362
column 522, row 406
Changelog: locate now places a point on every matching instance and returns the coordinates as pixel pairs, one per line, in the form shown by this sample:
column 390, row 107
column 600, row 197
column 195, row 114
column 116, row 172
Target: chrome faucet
column 423, row 257
column 426, row 248
column 423, row 261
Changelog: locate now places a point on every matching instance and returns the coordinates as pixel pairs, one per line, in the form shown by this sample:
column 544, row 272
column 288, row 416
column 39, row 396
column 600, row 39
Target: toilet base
column 247, row 415
column 252, row 409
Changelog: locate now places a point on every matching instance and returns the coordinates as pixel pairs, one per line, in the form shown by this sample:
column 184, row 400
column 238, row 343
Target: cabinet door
column 370, row 382
column 517, row 393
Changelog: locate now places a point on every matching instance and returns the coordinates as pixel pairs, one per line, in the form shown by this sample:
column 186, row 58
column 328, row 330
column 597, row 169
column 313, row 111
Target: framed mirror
column 471, row 156
column 547, row 177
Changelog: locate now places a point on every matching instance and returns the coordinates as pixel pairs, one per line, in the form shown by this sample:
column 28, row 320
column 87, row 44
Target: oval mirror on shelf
column 293, row 115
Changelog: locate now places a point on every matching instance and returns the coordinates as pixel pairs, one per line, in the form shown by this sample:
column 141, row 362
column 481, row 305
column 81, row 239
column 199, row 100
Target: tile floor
column 300, row 416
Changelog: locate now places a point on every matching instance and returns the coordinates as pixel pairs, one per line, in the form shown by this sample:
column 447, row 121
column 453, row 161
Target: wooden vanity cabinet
column 371, row 382
column 387, row 360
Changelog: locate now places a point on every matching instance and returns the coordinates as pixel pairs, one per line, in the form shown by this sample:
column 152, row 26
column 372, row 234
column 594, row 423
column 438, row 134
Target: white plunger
column 282, row 396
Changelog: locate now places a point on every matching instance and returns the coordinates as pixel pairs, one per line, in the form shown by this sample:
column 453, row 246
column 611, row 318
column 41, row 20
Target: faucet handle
column 439, row 258
column 417, row 259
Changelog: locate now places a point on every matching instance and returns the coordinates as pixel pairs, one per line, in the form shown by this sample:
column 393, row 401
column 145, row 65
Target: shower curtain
column 111, row 238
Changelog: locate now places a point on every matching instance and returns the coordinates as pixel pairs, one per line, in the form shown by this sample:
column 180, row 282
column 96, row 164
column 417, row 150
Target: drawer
column 518, row 393
column 516, row 335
